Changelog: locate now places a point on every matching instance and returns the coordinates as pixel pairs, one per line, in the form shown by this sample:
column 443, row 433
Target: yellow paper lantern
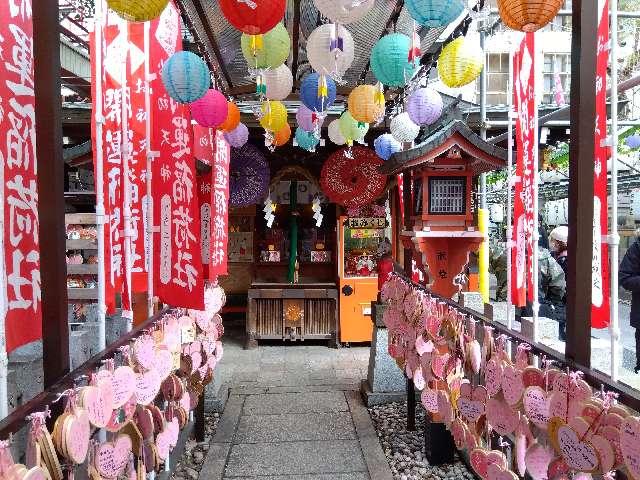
column 528, row 15
column 364, row 104
column 274, row 116
column 460, row 62
column 138, row 10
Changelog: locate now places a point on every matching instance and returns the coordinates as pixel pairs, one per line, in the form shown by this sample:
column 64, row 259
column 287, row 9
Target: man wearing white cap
column 558, row 245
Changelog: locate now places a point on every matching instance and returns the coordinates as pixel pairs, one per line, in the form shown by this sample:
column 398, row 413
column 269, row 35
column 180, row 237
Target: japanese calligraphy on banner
column 526, row 190
column 600, row 259
column 204, row 205
column 178, row 262
column 20, row 193
column 203, row 139
column 220, row 207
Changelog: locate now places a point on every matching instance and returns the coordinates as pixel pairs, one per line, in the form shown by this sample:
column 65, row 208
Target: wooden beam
column 296, row 39
column 197, row 4
column 583, row 117
column 51, row 206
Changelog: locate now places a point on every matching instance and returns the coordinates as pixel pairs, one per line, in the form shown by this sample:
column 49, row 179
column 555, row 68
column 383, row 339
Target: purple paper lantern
column 424, row 106
column 211, row 110
column 238, row 136
column 305, row 118
column 248, row 176
column 633, row 141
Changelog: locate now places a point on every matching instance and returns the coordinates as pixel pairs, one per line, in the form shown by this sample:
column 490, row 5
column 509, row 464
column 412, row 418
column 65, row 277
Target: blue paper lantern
column 385, row 146
column 390, row 60
column 306, row 140
column 186, row 77
column 633, row 141
column 309, row 93
column 434, row 13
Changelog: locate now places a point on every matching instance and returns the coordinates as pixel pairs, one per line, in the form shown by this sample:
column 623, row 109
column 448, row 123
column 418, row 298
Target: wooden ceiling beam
column 296, row 38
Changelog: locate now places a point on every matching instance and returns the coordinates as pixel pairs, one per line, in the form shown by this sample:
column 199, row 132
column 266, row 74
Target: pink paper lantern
column 211, row 110
column 306, row 118
column 424, row 106
column 238, row 136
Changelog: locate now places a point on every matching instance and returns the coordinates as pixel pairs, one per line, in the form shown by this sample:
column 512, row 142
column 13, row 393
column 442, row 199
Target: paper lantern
column 460, row 62
column 363, row 105
column 434, row 13
column 266, row 51
column 253, row 17
column 390, row 60
column 386, row 145
column 233, row 118
column 238, row 136
column 278, row 82
column 308, row 120
column 335, row 135
column 403, row 129
column 528, row 15
column 310, row 94
column 306, row 140
column 344, row 11
column 632, row 141
column 185, row 77
column 282, row 136
column 274, row 115
column 328, row 59
column 211, row 110
column 352, row 130
column 138, row 10
column 424, row 106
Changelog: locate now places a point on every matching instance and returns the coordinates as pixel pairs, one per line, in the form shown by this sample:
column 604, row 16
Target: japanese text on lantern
column 220, row 212
column 18, row 156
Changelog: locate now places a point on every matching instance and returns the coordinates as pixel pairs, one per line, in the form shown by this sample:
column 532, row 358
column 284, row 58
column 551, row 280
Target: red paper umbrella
column 352, row 182
column 253, row 17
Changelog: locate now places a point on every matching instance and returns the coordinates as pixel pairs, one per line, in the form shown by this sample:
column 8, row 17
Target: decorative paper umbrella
column 344, row 11
column 253, row 16
column 528, row 15
column 248, row 176
column 352, row 182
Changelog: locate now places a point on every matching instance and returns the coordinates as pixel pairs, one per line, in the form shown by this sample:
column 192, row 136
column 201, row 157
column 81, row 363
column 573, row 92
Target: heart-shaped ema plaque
column 112, row 457
column 480, row 459
column 536, row 406
column 502, row 418
column 472, row 402
column 578, row 454
column 630, row 445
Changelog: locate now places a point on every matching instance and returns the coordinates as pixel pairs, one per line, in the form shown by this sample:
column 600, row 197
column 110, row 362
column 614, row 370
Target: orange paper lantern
column 232, row 120
column 282, row 136
column 528, row 15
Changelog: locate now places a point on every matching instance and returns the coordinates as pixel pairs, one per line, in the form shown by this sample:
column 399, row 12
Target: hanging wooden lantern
column 528, row 15
column 138, row 10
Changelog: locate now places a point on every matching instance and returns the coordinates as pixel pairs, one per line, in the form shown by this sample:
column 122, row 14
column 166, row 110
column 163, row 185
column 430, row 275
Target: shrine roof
column 482, row 156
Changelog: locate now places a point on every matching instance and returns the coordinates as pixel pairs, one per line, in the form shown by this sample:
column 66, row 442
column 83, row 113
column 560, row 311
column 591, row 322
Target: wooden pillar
column 408, row 213
column 53, row 268
column 580, row 243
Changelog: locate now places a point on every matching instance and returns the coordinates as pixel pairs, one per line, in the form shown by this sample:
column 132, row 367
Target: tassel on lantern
column 322, row 87
column 414, row 51
column 256, row 44
column 337, row 42
column 379, row 95
column 261, row 86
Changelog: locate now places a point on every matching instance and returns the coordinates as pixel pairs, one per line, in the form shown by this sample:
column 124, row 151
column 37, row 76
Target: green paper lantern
column 390, row 60
column 352, row 130
column 266, row 51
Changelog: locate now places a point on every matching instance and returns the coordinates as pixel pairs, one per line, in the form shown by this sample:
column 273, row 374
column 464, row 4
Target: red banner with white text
column 177, row 257
column 525, row 189
column 203, row 143
column 19, row 170
column 220, row 207
column 600, row 260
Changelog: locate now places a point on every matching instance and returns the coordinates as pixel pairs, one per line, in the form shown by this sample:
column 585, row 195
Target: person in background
column 558, row 246
column 543, row 238
column 498, row 266
column 629, row 278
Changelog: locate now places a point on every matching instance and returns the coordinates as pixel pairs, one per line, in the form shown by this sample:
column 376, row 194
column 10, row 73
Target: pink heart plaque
column 77, row 436
column 480, row 460
column 493, row 376
column 630, row 445
column 496, row 472
column 536, row 406
column 124, row 385
column 579, row 455
column 429, row 398
column 147, row 386
column 537, row 460
column 502, row 418
column 512, row 385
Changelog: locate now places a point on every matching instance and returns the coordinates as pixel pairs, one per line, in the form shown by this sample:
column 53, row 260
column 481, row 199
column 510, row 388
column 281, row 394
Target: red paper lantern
column 253, row 17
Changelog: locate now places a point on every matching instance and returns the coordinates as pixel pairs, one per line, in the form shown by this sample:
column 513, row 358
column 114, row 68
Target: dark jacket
column 629, row 277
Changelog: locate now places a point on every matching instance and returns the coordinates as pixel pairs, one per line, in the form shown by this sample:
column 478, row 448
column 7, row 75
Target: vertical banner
column 203, row 144
column 526, row 190
column 204, row 204
column 220, row 207
column 114, row 46
column 23, row 321
column 178, row 261
column 600, row 314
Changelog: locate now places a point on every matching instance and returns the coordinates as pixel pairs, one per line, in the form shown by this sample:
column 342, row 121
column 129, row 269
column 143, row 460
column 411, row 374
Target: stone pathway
column 294, row 412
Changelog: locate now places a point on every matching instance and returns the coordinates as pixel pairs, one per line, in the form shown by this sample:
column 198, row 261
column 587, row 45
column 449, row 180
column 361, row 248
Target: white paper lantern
column 344, row 11
column 334, row 133
column 322, row 58
column 279, row 82
column 403, row 129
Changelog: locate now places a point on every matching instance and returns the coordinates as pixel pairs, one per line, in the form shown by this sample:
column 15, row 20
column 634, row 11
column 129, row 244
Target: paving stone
column 295, row 427
column 283, row 403
column 333, row 476
column 295, row 458
column 213, row 467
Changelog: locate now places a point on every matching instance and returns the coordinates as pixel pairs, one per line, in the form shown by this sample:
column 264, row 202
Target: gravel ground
column 405, row 450
column 189, row 466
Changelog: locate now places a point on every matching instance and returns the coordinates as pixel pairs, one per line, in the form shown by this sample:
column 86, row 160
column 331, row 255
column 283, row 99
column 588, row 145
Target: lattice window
column 447, row 195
